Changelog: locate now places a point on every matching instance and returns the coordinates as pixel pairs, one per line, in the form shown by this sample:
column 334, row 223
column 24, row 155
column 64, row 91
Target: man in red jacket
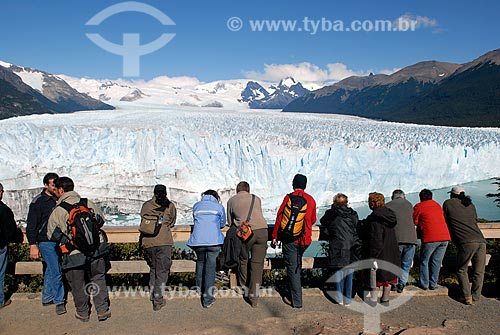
column 428, row 216
column 294, row 249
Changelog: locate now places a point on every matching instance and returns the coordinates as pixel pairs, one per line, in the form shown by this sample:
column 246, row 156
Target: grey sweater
column 462, row 222
column 405, row 228
column 237, row 211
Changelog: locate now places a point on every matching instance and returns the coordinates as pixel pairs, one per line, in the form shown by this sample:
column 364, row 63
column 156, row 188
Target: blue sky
column 51, row 36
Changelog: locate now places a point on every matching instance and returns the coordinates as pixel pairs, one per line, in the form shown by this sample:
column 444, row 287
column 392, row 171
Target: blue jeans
column 343, row 286
column 3, row 268
column 53, row 288
column 407, row 252
column 431, row 257
column 292, row 252
column 206, row 261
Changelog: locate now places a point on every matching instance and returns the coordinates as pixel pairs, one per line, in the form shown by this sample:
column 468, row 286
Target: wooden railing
column 182, row 233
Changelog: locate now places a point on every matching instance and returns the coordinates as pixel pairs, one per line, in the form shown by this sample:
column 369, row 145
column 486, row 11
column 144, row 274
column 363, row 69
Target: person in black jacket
column 7, row 232
column 380, row 243
column 341, row 224
column 36, row 232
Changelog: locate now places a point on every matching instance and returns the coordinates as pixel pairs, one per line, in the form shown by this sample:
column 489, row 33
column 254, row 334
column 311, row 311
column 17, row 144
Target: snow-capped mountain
column 186, row 91
column 286, row 91
column 43, row 92
column 163, row 91
column 275, row 97
column 63, row 93
column 254, row 92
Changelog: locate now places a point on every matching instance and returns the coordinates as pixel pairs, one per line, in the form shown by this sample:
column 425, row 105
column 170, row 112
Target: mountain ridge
column 430, row 92
column 26, row 91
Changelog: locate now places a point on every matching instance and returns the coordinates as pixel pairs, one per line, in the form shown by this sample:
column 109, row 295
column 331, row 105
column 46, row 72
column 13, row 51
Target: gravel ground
column 434, row 314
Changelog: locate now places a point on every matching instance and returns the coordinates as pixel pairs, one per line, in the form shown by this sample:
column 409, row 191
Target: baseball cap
column 457, row 189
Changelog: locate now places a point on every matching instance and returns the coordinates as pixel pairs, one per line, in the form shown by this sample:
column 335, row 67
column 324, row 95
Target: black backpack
column 84, row 229
column 229, row 258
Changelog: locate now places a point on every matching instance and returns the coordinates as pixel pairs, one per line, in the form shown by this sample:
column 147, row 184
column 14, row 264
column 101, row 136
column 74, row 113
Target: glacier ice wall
column 117, row 156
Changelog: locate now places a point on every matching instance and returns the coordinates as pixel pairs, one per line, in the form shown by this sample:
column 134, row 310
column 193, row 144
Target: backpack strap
column 84, row 202
column 251, row 208
column 68, row 207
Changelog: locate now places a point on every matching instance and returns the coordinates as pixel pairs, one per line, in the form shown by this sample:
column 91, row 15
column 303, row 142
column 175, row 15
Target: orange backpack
column 292, row 225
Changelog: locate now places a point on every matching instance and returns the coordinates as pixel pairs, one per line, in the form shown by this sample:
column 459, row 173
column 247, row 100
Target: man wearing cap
column 461, row 218
column 293, row 251
column 158, row 248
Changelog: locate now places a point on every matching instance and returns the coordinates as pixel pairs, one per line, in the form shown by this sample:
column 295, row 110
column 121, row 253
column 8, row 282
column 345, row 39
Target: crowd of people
column 64, row 230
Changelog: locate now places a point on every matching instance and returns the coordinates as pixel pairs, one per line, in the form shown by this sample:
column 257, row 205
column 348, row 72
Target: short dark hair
column 66, row 183
column 299, row 182
column 396, row 194
column 212, row 193
column 160, row 190
column 50, row 176
column 425, row 194
column 242, row 186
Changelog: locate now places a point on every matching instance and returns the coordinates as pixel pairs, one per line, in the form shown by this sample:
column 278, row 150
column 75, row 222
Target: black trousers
column 159, row 260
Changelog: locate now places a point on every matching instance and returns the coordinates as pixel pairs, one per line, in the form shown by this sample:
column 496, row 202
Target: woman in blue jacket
column 206, row 240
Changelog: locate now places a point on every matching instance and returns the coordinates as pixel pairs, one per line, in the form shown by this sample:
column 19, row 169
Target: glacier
column 116, row 157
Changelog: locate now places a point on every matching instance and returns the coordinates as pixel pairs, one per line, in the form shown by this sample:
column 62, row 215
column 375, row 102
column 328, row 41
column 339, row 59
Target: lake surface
column 486, row 207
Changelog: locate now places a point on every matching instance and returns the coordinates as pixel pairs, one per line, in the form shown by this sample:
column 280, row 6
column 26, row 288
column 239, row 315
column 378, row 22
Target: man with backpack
column 36, row 232
column 247, row 207
column 75, row 224
column 293, row 228
column 157, row 243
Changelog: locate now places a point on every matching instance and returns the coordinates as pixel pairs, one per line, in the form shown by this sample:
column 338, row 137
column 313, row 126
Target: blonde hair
column 375, row 200
column 340, row 199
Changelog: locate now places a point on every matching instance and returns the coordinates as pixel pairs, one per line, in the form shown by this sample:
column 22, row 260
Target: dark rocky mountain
column 15, row 101
column 254, row 92
column 431, row 92
column 18, row 98
column 286, row 91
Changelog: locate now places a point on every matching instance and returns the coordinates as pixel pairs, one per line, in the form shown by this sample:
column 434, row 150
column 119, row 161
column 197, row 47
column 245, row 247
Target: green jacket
column 164, row 236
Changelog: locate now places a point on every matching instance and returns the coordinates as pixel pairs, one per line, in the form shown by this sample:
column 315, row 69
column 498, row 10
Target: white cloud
column 308, row 72
column 339, row 71
column 303, row 72
column 182, row 81
column 408, row 22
